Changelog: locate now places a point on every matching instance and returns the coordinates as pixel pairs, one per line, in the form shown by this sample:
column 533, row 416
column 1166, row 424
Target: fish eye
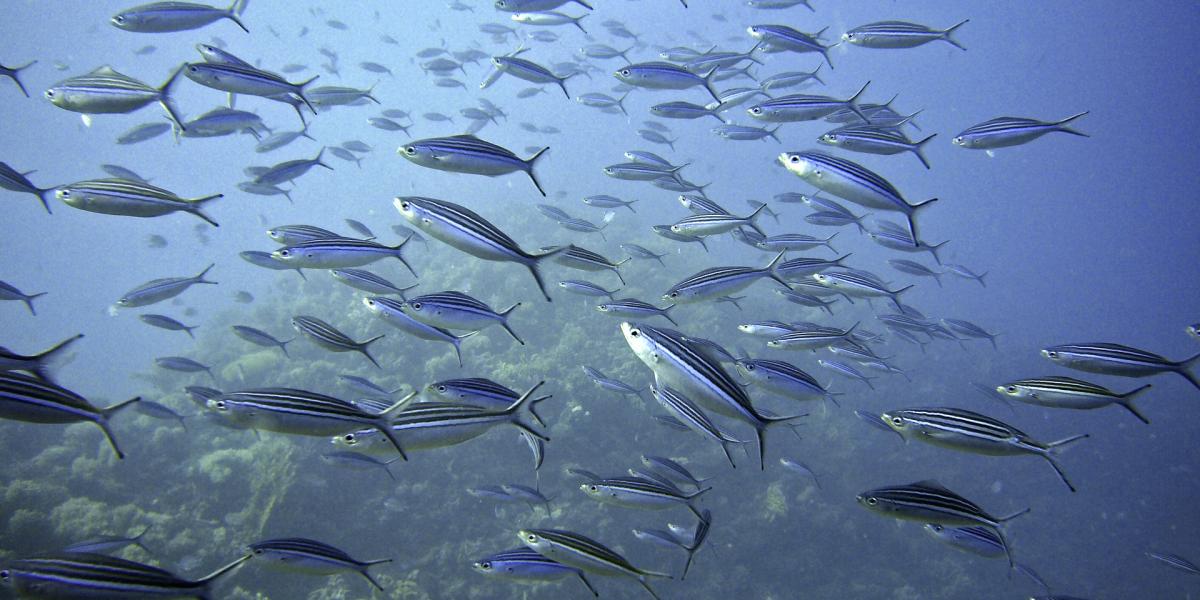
column 958, row 140
column 118, row 19
column 872, row 501
column 830, row 137
column 624, row 72
column 193, row 69
column 485, row 566
column 220, row 404
column 756, row 111
column 794, row 159
column 897, row 421
column 592, row 488
column 1012, row 389
column 258, row 550
column 285, row 253
column 849, row 36
column 409, row 150
column 49, row 93
column 404, row 205
column 531, row 538
column 749, row 367
column 936, row 527
column 64, row 194
column 674, row 294
column 349, row 438
column 441, row 388
column 634, row 333
column 4, row 574
column 1051, row 354
column 416, row 305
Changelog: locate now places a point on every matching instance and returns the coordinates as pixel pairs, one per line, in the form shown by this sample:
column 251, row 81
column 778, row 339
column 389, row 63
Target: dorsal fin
column 105, row 70
column 932, row 484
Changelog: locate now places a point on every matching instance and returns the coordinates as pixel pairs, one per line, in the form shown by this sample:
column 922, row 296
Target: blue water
column 1083, row 239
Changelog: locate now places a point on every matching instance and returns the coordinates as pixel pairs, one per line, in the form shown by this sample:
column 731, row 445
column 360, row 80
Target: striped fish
column 665, row 76
column 630, row 307
column 672, row 470
column 783, row 378
column 101, row 577
column 456, row 310
column 428, row 425
column 289, row 235
column 875, row 140
column 1067, row 392
column 585, row 226
column 853, row 182
column 129, row 198
column 721, row 281
column 267, row 261
column 109, row 544
column 586, row 288
column 1175, row 561
column 916, row 268
column 1003, row 132
column 33, row 400
column 968, row 431
column 13, row 72
column 794, row 242
column 241, row 79
column 158, row 290
column 853, row 284
column 312, row 557
column 39, row 364
column 337, row 253
column 811, row 339
column 846, row 370
column 368, row 282
column 706, row 224
column 1115, row 359
column 640, row 171
column 163, row 17
column 584, row 553
column 105, row 91
column 469, row 154
column 183, row 365
column 634, row 492
column 930, row 502
column 784, row 38
column 969, row 329
column 300, row 412
column 392, row 312
column 259, row 337
column 665, row 231
column 678, row 364
column 586, row 260
column 165, row 322
column 902, row 240
column 606, row 201
column 804, row 107
column 767, row 329
column 289, row 170
column 462, row 228
column 610, row 383
column 977, row 540
column 530, row 71
column 693, row 418
column 700, row 205
column 213, row 54
column 16, row 181
column 326, row 336
column 899, row 34
column 524, row 564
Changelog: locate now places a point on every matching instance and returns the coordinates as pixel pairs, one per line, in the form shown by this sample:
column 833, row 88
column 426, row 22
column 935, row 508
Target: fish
column 977, row 540
column 1068, row 392
column 39, row 365
column 106, row 91
column 584, row 553
column 583, row 259
column 165, row 322
column 326, row 336
column 1116, row 359
column 633, row 308
column 853, row 284
column 290, row 170
column 915, row 268
column 665, row 76
column 456, row 310
column 686, row 110
column 636, row 251
column 469, row 154
column 9, row 292
column 143, row 132
column 267, row 261
column 900, row 34
column 311, row 557
column 811, row 339
column 1175, row 561
column 259, row 337
column 16, row 181
column 930, row 502
column 845, row 369
column 800, row 469
column 163, row 17
column 804, row 107
column 240, row 79
column 390, row 311
column 462, row 228
column 523, row 564
column 794, row 242
column 610, row 383
column 368, row 282
column 678, row 364
column 804, row 267
column 1003, row 132
column 13, row 72
column 707, row 224
column 91, row 575
column 783, row 38
column 158, row 290
column 634, row 492
column 968, row 431
column 530, row 71
column 281, row 139
column 969, row 329
column 288, row 235
column 108, row 544
column 586, row 288
column 184, row 365
column 338, row 253
column 366, row 386
column 124, row 197
column 852, row 182
column 32, row 400
column 791, row 79
column 720, row 281
column 966, row 273
column 605, row 201
column 782, row 378
column 876, row 140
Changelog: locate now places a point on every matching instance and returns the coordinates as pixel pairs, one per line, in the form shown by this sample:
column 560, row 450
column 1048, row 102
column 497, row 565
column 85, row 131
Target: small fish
column 143, row 132
column 33, row 400
column 391, row 311
column 1003, row 132
column 326, row 336
column 523, row 564
column 105, row 91
column 969, row 329
column 130, row 198
column 456, row 310
column 586, row 288
column 259, row 337
column 1115, row 359
column 109, row 544
column 312, row 557
column 1175, row 561
column 83, row 575
column 240, row 79
column 368, row 282
column 584, row 553
column 801, row 469
column 782, row 378
column 165, row 322
column 183, row 365
column 158, row 290
column 163, row 17
column 469, row 154
column 1067, row 392
column 633, row 308
column 665, row 76
column 720, row 281
column 356, row 460
column 899, row 34
column 338, row 253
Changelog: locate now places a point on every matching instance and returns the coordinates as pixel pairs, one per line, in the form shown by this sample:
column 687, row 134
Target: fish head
column 937, row 531
column 757, row 111
column 202, row 74
column 484, row 567
column 642, row 345
column 895, row 420
column 593, row 490
column 413, row 308
column 352, row 439
column 371, row 305
column 747, row 368
column 1057, row 355
column 441, row 391
column 824, row 280
column 1015, row 391
column 627, row 74
column 756, row 32
column 129, row 20
column 603, row 308
column 418, row 153
column 830, row 139
column 795, row 162
column 851, row 38
column 287, row 255
column 964, row 141
column 412, row 210
column 535, row 542
column 71, row 196
column 873, row 502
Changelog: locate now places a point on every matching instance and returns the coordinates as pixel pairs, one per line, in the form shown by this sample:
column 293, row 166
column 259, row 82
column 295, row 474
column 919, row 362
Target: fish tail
column 188, row 330
column 504, row 323
column 1012, row 516
column 399, row 254
column 17, row 81
column 537, row 275
column 1183, row 367
column 1126, row 401
column 102, row 421
column 933, row 249
column 203, row 583
column 852, row 102
column 917, row 150
column 1060, row 125
column 912, row 218
column 621, row 102
column 666, row 315
column 283, row 347
column 200, row 278
column 196, row 206
column 530, row 163
column 164, row 98
column 828, row 241
column 368, row 575
column 576, row 22
column 28, row 300
column 587, row 6
column 363, row 348
column 46, row 358
column 300, row 92
column 946, row 35
column 761, row 431
column 457, row 342
column 708, row 84
column 44, row 194
column 1058, row 470
column 513, row 411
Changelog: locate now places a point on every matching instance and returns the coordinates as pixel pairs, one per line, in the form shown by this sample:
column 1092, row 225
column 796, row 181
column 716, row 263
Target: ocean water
column 1084, row 239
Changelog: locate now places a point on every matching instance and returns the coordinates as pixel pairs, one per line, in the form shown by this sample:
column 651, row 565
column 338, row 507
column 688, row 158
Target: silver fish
column 158, row 290
column 163, row 17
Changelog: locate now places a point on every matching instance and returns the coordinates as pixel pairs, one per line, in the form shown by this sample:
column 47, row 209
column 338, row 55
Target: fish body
column 165, row 17
column 94, row 576
column 143, row 132
column 240, row 79
column 523, row 564
column 392, row 312
column 462, row 228
column 1003, row 132
column 782, row 38
column 1116, row 359
column 782, row 378
column 875, row 140
column 529, row 71
column 32, row 400
column 469, row 154
column 584, row 553
column 456, row 310
column 804, row 107
column 977, row 540
column 633, row 308
column 665, row 76
column 311, row 557
column 635, row 492
column 899, row 34
column 720, row 281
column 105, row 91
column 158, row 290
column 338, row 253
column 1067, row 392
column 124, row 197
column 368, row 282
column 328, row 337
column 259, row 337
